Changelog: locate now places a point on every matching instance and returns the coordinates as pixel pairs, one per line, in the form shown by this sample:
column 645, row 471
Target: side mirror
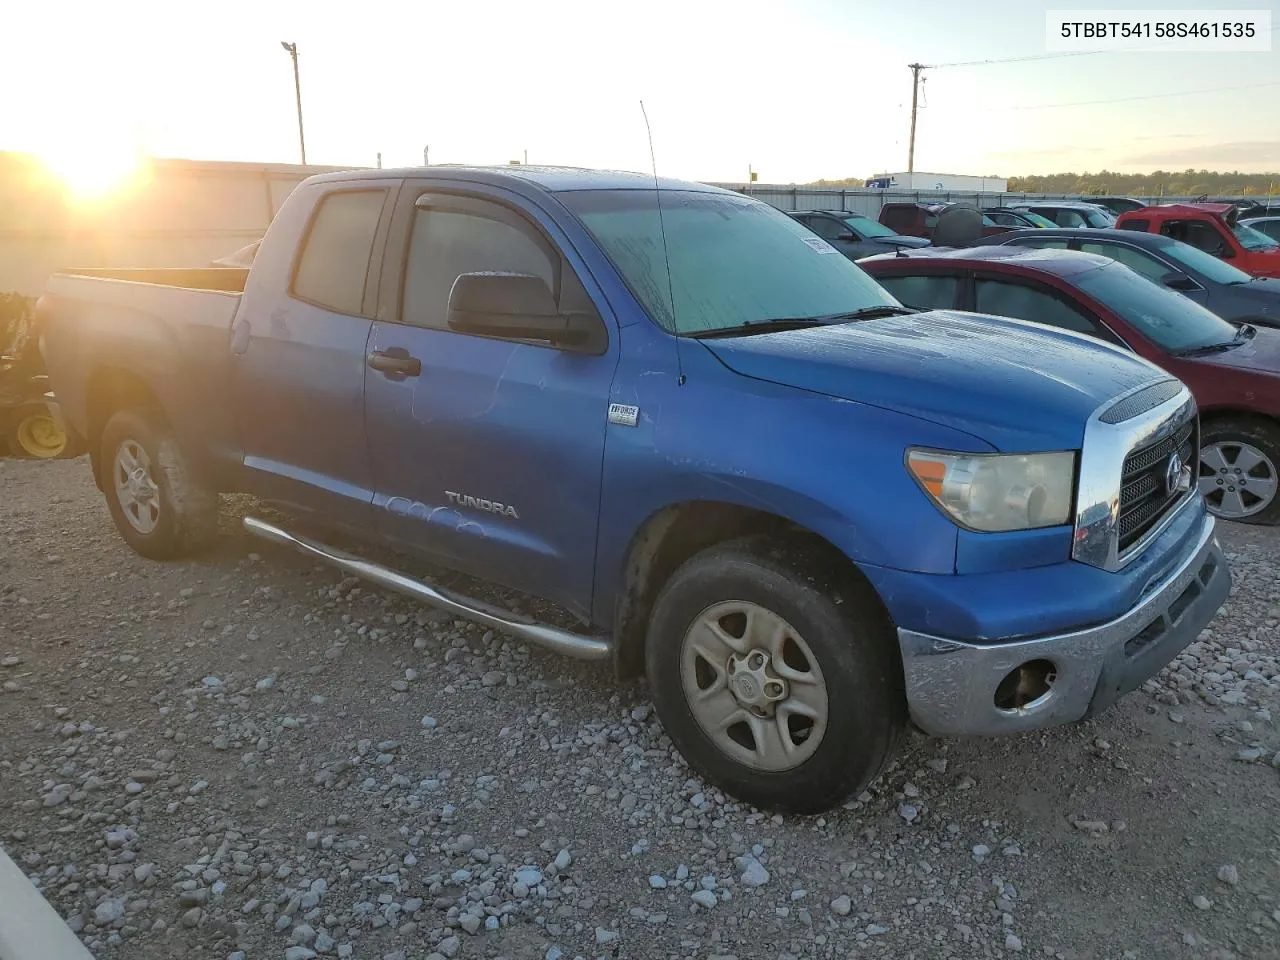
column 513, row 306
column 1179, row 281
column 848, row 237
column 1224, row 252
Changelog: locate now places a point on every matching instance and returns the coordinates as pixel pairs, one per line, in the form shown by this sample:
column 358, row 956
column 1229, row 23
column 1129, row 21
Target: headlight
column 998, row 492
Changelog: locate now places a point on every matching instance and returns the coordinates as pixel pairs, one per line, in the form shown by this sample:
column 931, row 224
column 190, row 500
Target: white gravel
column 244, row 756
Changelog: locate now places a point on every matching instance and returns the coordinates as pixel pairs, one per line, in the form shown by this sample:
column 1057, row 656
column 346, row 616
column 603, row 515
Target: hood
column 901, row 241
column 1018, row 386
column 1259, row 355
column 1262, row 293
column 1264, row 262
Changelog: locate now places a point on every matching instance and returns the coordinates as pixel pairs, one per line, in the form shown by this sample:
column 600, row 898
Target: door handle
column 394, row 362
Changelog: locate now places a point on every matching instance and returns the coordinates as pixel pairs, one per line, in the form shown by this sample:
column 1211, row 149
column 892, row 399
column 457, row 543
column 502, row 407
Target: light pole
column 292, row 50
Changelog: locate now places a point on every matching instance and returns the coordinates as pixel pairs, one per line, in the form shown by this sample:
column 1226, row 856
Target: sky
column 794, row 89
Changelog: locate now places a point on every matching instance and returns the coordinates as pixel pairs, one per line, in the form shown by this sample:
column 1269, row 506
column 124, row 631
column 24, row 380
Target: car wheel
column 1240, row 470
column 159, row 506
column 775, row 671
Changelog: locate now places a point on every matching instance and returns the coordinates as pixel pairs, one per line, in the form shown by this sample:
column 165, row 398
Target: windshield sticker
column 818, row 245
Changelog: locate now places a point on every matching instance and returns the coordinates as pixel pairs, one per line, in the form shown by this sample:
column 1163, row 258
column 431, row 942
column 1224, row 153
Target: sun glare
column 94, row 172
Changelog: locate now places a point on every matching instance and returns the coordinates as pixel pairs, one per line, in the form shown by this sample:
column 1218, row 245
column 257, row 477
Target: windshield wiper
column 751, row 327
column 1246, row 332
column 871, row 313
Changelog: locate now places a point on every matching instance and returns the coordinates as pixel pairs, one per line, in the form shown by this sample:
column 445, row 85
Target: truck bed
column 226, row 279
column 113, row 330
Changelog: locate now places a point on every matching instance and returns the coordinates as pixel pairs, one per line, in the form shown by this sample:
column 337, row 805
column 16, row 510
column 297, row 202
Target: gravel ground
column 247, row 756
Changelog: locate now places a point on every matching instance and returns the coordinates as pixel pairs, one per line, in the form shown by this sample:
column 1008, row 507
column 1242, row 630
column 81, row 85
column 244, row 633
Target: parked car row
column 1233, row 370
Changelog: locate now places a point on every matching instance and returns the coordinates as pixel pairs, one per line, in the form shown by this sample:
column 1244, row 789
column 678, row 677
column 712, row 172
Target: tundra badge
column 490, row 506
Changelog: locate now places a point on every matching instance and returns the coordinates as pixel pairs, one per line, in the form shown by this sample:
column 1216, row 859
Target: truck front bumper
column 956, row 688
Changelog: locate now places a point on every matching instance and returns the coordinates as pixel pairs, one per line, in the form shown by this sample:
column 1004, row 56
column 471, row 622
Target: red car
column 1234, row 372
column 1213, row 228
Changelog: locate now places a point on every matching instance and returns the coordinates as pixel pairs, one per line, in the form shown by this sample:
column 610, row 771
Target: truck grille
column 1144, row 492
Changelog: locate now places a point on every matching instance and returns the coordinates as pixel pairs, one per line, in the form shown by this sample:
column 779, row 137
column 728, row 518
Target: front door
column 487, row 453
column 298, row 358
column 838, row 233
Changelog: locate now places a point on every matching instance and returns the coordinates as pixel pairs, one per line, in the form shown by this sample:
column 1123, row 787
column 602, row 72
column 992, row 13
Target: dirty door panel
column 490, row 456
column 299, row 362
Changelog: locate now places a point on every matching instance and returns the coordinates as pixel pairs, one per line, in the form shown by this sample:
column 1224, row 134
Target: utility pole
column 526, row 158
column 292, row 49
column 426, row 154
column 915, row 93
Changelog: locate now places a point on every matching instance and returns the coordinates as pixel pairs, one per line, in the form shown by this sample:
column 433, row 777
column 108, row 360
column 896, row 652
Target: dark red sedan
column 1234, row 372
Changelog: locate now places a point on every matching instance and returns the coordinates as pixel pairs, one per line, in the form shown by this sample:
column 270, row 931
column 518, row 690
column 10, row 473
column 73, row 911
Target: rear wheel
column 158, row 503
column 776, row 674
column 34, row 433
column 1240, row 470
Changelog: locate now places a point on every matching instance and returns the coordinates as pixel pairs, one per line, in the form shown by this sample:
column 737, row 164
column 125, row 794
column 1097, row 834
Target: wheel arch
column 673, row 534
column 110, row 389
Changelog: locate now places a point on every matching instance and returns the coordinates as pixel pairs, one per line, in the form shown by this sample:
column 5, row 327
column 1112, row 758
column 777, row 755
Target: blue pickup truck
column 734, row 462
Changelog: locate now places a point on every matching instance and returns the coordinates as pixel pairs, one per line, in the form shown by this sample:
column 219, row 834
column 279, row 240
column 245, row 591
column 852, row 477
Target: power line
column 1038, row 56
column 1152, row 96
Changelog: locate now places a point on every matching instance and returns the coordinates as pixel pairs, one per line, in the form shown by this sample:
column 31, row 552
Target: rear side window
column 1201, row 235
column 899, row 218
column 1140, row 225
column 923, row 292
column 1010, row 299
column 334, row 263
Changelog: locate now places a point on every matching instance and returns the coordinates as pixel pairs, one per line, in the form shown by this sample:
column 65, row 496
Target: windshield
column 1203, row 263
column 731, row 260
column 1164, row 317
column 1038, row 220
column 1098, row 218
column 1252, row 239
column 870, row 229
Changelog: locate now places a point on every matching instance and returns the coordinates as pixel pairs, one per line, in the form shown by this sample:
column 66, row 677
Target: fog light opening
column 1026, row 685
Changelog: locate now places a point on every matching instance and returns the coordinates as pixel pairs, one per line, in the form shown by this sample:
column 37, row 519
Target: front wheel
column 775, row 672
column 1240, row 470
column 157, row 501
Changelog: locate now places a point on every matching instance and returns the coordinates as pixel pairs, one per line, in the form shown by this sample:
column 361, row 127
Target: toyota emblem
column 1174, row 479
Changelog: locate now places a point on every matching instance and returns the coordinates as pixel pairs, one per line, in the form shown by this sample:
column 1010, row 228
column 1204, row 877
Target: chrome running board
column 553, row 638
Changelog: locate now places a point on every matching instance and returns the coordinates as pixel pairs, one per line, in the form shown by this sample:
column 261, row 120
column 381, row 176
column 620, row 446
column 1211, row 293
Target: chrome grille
column 1144, row 495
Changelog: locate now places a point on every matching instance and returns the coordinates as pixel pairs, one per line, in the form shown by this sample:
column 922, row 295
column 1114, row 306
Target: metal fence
column 868, row 202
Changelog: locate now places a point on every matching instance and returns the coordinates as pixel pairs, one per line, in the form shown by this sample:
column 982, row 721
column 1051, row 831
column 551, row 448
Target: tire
column 34, row 433
column 1241, row 448
column 163, row 511
column 829, row 619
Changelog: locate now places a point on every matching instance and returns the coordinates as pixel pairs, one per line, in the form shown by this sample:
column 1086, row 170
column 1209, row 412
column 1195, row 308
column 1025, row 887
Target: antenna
column 666, row 256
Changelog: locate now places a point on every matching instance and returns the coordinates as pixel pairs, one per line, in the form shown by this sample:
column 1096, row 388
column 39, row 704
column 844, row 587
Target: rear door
column 298, row 356
column 486, row 453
